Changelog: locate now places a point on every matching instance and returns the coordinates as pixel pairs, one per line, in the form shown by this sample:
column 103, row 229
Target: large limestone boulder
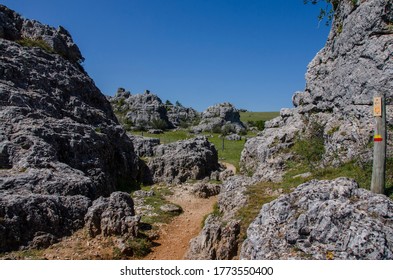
column 61, row 145
column 147, row 111
column 184, row 160
column 323, row 220
column 215, row 118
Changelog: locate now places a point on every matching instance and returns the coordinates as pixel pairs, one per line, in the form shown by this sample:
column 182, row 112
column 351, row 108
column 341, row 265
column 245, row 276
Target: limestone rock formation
column 215, row 118
column 219, row 237
column 147, row 111
column 323, row 220
column 114, row 215
column 144, row 146
column 341, row 81
column 184, row 160
column 61, row 146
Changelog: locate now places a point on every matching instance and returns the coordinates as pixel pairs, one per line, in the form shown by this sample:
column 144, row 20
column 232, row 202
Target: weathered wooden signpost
column 379, row 163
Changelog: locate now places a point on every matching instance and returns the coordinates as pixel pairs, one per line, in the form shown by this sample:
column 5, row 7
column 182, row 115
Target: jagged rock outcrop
column 223, row 116
column 144, row 146
column 147, row 111
column 113, row 215
column 323, row 220
column 219, row 237
column 180, row 116
column 205, row 190
column 60, row 143
column 141, row 110
column 184, row 160
column 341, row 80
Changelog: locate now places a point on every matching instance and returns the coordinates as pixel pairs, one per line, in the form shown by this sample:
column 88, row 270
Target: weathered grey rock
column 141, row 110
column 155, row 131
column 146, row 111
column 219, row 237
column 13, row 27
column 205, row 190
column 112, row 216
column 341, row 81
column 171, row 208
column 59, row 138
column 233, row 137
column 321, row 220
column 215, row 118
column 141, row 193
column 144, row 146
column 180, row 116
column 216, row 241
column 178, row 162
column 24, row 218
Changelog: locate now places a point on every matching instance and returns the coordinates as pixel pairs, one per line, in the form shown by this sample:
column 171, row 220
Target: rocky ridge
column 61, row 146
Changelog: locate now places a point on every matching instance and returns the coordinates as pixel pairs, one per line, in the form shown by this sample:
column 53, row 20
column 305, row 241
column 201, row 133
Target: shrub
column 311, row 148
column 158, row 124
column 39, row 43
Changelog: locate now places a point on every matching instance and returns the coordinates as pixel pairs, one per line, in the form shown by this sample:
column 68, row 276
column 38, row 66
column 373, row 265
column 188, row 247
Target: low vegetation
column 38, row 43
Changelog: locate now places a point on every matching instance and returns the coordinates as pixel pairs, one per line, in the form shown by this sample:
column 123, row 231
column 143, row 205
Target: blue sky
column 252, row 53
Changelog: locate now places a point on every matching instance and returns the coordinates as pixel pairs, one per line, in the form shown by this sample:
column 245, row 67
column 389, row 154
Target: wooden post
column 379, row 159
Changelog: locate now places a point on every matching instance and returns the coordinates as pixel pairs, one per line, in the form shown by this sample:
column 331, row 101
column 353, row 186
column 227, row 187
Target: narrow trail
column 175, row 236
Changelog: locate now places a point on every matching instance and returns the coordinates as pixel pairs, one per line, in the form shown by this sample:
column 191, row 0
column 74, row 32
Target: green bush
column 158, row 124
column 311, row 148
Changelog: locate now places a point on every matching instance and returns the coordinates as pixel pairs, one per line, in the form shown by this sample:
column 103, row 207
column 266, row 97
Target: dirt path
column 175, row 236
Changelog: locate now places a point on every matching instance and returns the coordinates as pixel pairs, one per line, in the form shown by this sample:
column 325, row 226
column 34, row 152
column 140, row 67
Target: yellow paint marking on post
column 377, row 106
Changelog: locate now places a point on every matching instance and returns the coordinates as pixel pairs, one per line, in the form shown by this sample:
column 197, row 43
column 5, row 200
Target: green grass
column 257, row 197
column 232, row 149
column 27, row 42
column 258, row 116
column 169, row 136
column 156, row 202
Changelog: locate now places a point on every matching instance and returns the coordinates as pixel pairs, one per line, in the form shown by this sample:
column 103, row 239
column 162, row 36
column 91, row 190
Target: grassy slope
column 258, row 116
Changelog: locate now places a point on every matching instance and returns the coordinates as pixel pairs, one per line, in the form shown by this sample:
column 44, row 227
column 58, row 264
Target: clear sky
column 252, row 53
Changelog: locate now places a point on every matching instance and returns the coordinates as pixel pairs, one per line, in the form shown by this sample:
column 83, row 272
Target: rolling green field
column 258, row 116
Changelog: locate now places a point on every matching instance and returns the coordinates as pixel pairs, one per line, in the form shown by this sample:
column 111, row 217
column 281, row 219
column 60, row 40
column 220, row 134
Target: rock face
column 216, row 117
column 341, row 81
column 147, row 111
column 219, row 237
column 183, row 160
column 323, row 220
column 144, row 146
column 59, row 139
column 112, row 216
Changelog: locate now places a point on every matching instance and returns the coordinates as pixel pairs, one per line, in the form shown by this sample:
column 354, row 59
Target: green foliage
column 156, row 202
column 158, row 124
column 141, row 246
column 31, row 43
column 127, row 124
column 178, row 104
column 216, row 129
column 227, row 129
column 311, row 148
column 257, row 197
column 326, row 12
column 258, row 124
